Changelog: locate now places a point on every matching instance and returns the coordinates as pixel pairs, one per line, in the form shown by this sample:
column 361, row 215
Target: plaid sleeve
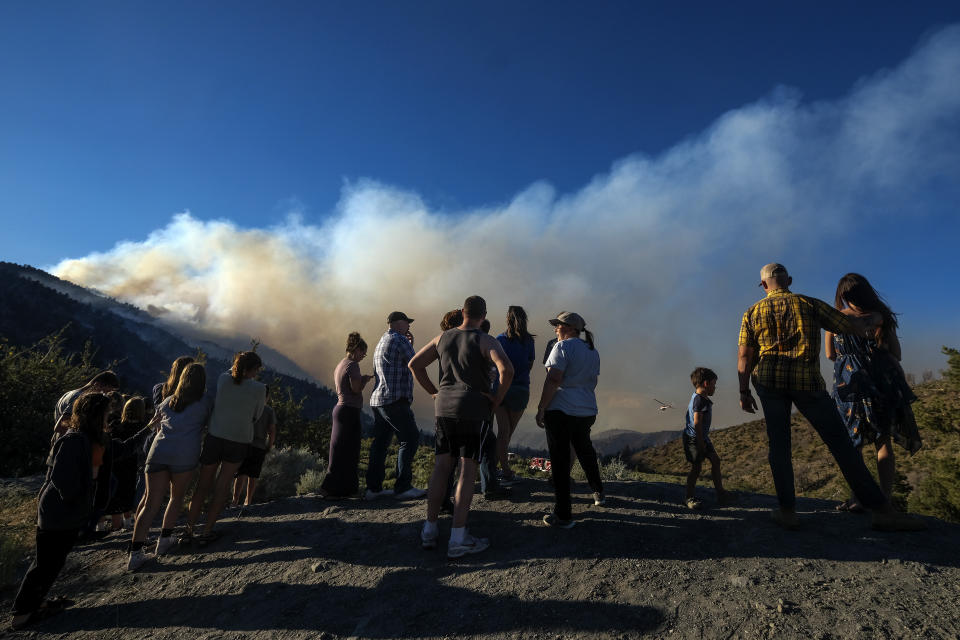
column 833, row 320
column 747, row 337
column 405, row 351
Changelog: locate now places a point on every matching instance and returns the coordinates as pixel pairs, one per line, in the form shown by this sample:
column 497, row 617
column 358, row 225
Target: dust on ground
column 642, row 566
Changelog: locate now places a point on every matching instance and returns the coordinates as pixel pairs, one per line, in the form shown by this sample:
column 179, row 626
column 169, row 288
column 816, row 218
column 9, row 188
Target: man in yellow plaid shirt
column 780, row 349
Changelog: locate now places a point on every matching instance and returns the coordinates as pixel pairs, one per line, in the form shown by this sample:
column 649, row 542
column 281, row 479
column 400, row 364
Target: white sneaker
column 599, row 499
column 411, row 494
column 469, row 544
column 164, row 544
column 373, row 495
column 137, row 559
column 428, row 540
column 128, row 523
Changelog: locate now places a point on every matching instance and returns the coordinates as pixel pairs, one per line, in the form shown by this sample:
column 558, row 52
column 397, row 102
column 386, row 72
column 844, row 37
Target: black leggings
column 562, row 431
column 52, row 550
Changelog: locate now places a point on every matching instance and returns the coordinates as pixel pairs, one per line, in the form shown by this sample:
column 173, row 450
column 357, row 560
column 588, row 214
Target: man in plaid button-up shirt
column 780, row 346
column 390, row 402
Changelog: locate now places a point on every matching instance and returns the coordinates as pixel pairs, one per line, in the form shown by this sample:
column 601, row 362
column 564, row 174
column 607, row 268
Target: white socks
column 456, row 534
column 430, row 528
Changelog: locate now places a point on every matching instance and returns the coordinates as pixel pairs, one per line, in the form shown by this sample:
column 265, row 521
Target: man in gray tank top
column 463, row 403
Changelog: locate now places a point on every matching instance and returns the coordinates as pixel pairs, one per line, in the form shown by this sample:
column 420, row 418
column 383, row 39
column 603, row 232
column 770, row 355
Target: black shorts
column 216, row 450
column 460, row 438
column 253, row 463
column 690, row 449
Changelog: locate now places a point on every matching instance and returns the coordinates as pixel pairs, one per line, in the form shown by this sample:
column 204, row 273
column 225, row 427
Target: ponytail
column 589, row 338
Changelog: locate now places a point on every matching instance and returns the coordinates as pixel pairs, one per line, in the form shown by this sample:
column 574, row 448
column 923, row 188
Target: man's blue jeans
column 821, row 411
column 395, row 418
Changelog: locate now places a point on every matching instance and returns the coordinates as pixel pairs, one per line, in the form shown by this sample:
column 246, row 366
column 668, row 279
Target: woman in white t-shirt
column 239, row 402
column 567, row 411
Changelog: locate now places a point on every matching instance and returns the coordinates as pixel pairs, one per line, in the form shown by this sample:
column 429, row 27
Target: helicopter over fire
column 663, row 405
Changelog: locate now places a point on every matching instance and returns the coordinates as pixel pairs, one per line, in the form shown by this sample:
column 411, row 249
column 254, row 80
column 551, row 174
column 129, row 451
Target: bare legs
column 219, row 485
column 886, row 465
column 221, row 493
column 153, row 498
column 208, row 473
column 886, row 472
column 507, row 421
column 715, row 473
column 437, row 489
column 241, row 483
column 692, row 478
column 178, row 488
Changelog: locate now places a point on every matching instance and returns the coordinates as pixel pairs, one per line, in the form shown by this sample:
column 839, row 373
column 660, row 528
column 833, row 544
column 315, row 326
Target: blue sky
column 115, row 117
column 118, row 114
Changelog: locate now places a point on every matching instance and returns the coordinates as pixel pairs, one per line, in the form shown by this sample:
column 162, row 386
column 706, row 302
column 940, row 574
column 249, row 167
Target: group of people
column 481, row 380
column 779, row 353
column 225, row 431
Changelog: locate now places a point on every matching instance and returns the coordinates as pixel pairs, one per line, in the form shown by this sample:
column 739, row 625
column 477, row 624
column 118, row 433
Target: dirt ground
column 641, row 566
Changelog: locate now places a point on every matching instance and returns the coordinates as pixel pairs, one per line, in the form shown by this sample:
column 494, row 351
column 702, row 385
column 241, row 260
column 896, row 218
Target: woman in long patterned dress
column 869, row 386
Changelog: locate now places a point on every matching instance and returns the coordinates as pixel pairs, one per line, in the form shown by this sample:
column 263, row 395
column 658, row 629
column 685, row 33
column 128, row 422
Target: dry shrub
column 616, row 469
column 282, row 470
column 310, row 481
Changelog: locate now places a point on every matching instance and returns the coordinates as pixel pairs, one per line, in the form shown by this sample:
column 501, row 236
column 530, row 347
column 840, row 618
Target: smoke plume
column 661, row 254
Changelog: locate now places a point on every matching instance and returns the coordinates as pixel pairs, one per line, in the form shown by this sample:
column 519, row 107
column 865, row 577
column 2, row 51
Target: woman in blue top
column 172, row 460
column 518, row 344
column 567, row 410
column 869, row 387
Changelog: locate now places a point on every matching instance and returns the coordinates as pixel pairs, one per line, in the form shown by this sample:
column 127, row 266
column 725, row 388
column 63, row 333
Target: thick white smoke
column 660, row 255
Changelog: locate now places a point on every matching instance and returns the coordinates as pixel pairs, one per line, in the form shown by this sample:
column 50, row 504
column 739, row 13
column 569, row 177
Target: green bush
column 293, row 428
column 952, row 373
column 283, row 469
column 31, row 381
column 938, row 494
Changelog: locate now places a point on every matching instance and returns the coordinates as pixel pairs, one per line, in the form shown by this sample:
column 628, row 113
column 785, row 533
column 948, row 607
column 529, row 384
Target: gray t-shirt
column 581, row 367
column 237, row 407
column 262, row 427
column 464, row 376
column 178, row 441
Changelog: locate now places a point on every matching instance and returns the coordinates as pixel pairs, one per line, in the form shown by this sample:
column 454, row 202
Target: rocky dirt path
column 642, row 566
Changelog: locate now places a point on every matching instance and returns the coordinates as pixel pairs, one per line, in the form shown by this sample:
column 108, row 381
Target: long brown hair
column 243, row 362
column 88, row 412
column 134, row 410
column 517, row 324
column 175, row 370
column 854, row 288
column 191, row 387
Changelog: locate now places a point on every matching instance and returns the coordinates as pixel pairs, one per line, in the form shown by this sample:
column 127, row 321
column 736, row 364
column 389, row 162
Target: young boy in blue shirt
column 697, row 446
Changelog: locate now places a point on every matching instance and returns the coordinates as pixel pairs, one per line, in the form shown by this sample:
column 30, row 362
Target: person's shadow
column 405, row 604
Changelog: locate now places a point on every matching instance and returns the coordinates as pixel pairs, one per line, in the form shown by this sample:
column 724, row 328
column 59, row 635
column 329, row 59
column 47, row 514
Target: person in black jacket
column 64, row 505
